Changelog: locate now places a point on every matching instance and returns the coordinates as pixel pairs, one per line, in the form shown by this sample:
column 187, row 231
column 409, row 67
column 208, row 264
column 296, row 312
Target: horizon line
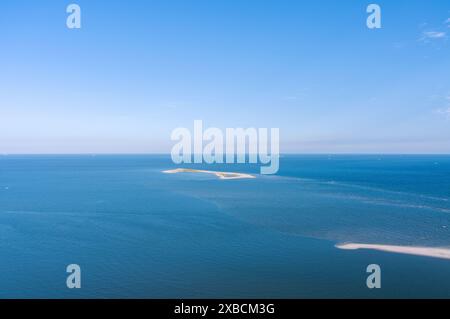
column 168, row 154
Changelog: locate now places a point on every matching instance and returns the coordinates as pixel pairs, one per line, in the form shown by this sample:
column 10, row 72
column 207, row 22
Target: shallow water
column 137, row 232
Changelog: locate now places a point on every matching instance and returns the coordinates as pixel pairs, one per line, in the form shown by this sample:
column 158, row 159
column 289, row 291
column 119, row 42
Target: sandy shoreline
column 443, row 253
column 221, row 175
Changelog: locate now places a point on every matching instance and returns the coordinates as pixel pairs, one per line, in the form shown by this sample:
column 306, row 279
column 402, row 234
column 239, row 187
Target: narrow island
column 437, row 252
column 221, row 175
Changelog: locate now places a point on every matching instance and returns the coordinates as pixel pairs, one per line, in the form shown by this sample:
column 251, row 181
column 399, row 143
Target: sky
column 136, row 70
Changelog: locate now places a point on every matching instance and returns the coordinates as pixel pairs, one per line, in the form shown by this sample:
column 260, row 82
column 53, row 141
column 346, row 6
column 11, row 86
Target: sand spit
column 221, row 175
column 434, row 252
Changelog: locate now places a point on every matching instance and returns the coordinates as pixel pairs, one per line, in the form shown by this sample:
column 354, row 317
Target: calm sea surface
column 137, row 232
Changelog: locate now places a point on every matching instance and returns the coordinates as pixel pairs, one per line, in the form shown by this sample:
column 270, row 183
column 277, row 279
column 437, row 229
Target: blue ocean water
column 137, row 232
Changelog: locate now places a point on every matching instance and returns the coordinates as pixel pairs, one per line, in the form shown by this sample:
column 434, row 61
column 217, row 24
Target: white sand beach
column 221, row 175
column 437, row 252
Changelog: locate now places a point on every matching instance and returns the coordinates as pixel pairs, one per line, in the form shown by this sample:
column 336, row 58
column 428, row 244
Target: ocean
column 139, row 233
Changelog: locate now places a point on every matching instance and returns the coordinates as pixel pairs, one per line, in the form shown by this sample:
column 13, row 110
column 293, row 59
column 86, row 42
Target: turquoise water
column 137, row 232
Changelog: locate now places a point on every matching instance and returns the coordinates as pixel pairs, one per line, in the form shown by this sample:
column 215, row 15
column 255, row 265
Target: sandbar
column 436, row 252
column 221, row 175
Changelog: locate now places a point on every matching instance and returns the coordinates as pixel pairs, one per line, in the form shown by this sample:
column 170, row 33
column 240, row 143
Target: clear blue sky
column 138, row 69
